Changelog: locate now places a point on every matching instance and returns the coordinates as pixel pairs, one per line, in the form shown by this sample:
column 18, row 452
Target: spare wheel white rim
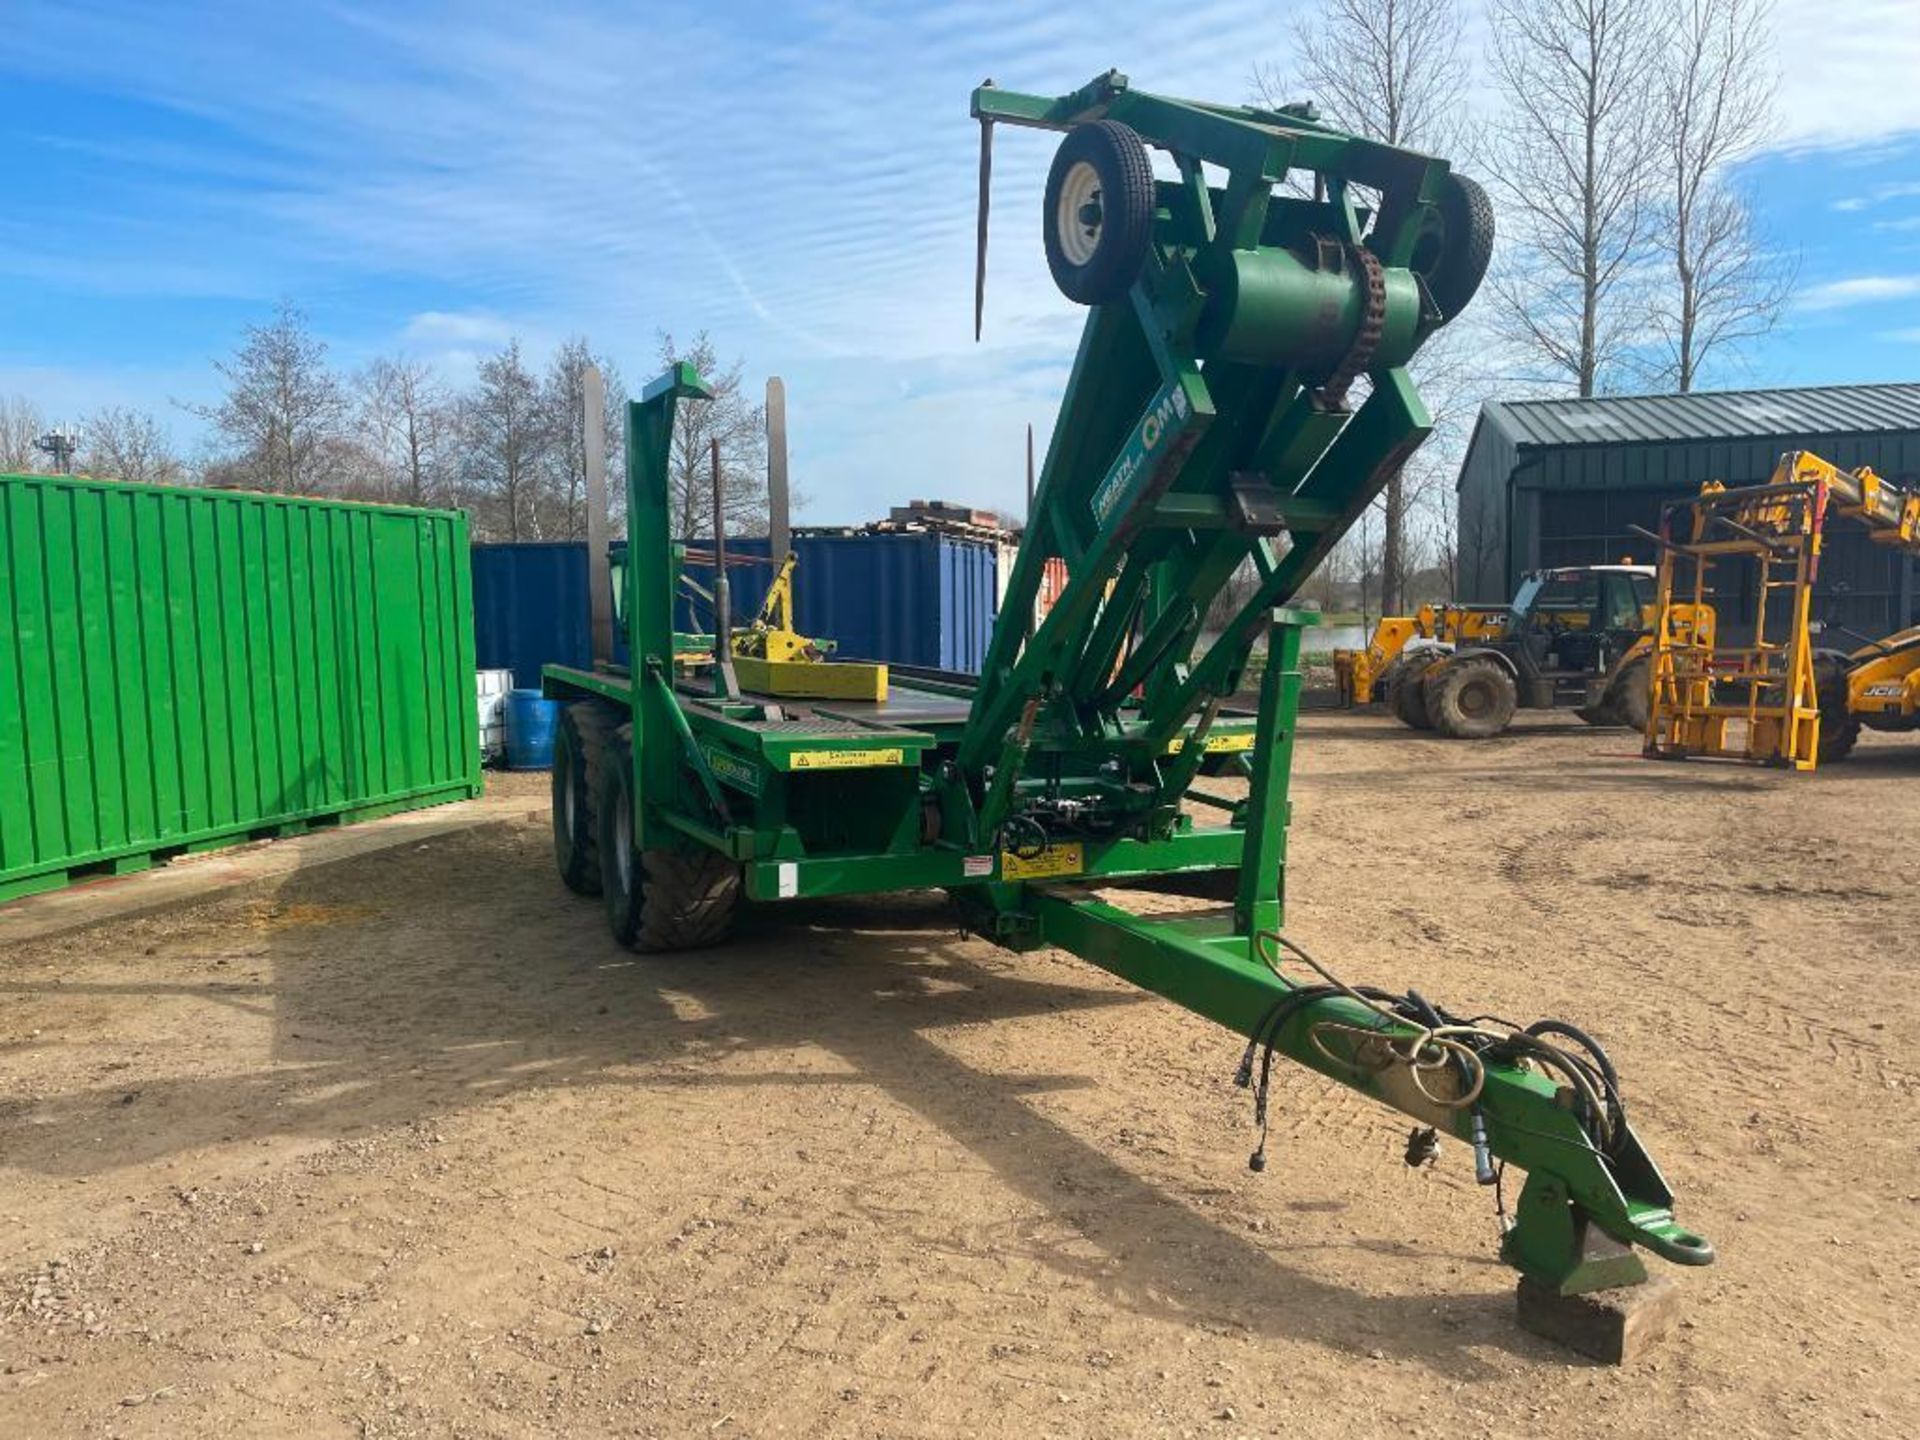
column 1079, row 218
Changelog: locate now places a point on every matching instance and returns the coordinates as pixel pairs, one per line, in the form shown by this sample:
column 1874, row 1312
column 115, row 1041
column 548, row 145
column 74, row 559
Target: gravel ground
column 403, row 1145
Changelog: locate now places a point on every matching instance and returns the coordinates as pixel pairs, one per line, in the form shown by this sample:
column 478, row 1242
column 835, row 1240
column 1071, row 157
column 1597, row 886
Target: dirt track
column 404, row 1146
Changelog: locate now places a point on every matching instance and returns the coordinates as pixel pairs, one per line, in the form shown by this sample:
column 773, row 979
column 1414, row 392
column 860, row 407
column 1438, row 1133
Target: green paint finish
column 186, row 668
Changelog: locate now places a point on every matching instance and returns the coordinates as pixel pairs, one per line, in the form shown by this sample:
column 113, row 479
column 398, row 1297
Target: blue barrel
column 530, row 722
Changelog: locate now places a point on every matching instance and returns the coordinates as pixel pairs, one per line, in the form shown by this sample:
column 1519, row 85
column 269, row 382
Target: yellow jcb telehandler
column 1573, row 637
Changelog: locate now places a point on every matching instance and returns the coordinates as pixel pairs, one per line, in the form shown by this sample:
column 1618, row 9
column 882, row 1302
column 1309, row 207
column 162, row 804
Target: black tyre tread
column 687, row 899
column 1630, row 696
column 1389, row 679
column 1467, row 215
column 1409, row 699
column 1451, row 719
column 1127, row 217
column 1839, row 726
column 586, row 729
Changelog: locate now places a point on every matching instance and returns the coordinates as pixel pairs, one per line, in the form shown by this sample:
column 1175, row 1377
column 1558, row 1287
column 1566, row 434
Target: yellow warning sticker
column 1068, row 859
column 844, row 759
column 1216, row 744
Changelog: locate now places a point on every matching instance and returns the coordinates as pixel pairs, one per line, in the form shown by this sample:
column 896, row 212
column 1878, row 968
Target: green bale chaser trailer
column 1240, row 395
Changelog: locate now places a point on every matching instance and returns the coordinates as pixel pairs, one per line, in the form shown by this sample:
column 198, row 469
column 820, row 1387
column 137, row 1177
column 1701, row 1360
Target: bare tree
column 740, row 427
column 1575, row 152
column 406, row 423
column 123, row 444
column 563, row 401
column 1390, row 70
column 1715, row 100
column 283, row 411
column 503, row 439
column 20, row 426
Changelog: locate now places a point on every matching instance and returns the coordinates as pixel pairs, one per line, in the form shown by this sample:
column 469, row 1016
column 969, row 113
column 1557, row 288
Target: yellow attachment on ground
column 772, row 658
column 1761, row 701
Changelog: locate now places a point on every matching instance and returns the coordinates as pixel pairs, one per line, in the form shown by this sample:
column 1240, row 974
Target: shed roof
column 1708, row 415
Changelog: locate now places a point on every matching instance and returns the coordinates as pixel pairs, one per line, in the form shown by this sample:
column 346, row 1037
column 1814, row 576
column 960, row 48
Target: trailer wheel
column 1839, row 726
column 1471, row 700
column 1409, row 696
column 579, row 752
column 659, row 899
column 1453, row 257
column 1099, row 212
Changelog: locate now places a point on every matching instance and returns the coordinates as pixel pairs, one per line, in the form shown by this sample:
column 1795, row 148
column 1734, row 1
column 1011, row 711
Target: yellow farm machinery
column 1771, row 695
column 1574, row 637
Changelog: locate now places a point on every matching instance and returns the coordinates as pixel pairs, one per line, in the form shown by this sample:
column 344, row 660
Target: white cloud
column 1909, row 336
column 1842, row 65
column 1859, row 290
column 435, row 328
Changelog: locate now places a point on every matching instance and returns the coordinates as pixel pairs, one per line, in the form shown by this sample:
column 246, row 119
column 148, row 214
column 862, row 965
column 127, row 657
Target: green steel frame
column 1203, row 433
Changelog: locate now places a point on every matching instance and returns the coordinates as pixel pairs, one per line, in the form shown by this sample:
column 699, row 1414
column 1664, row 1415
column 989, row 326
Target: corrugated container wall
column 922, row 600
column 184, row 668
column 530, row 608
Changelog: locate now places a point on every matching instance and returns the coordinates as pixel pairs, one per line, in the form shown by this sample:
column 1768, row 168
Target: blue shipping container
column 530, row 608
column 922, row 600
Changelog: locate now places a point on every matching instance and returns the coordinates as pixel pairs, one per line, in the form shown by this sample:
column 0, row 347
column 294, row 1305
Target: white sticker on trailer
column 787, row 880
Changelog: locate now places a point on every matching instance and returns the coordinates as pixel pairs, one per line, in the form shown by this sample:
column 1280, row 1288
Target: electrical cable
column 1423, row 1039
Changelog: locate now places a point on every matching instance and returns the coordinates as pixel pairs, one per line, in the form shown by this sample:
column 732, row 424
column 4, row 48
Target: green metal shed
column 1561, row 482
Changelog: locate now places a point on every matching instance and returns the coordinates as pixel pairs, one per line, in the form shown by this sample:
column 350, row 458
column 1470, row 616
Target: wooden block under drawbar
column 1615, row 1327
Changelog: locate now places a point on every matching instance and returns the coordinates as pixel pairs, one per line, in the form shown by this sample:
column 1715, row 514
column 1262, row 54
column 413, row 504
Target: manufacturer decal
column 731, row 770
column 1166, row 414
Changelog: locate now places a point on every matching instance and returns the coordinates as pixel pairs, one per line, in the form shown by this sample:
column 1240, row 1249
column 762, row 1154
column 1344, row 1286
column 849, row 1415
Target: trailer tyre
column 1839, row 726
column 1099, row 212
column 1453, row 256
column 579, row 753
column 1471, row 699
column 657, row 900
column 1409, row 696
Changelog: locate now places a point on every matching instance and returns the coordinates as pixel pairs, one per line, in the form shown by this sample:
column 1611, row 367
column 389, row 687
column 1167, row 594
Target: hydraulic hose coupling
column 1483, row 1171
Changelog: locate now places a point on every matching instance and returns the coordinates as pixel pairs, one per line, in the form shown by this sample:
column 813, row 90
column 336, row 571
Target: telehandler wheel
column 1839, row 726
column 1453, row 257
column 1099, row 212
column 658, row 899
column 1409, row 697
column 579, row 750
column 1471, row 699
column 1388, row 680
column 1630, row 696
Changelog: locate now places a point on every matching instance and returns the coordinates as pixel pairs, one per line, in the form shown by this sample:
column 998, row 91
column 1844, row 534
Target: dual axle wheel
column 659, row 899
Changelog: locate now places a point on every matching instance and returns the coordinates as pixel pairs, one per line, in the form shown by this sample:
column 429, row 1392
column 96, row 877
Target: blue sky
column 795, row 178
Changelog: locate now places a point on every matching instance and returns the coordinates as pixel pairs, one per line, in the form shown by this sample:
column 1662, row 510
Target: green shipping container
column 181, row 669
